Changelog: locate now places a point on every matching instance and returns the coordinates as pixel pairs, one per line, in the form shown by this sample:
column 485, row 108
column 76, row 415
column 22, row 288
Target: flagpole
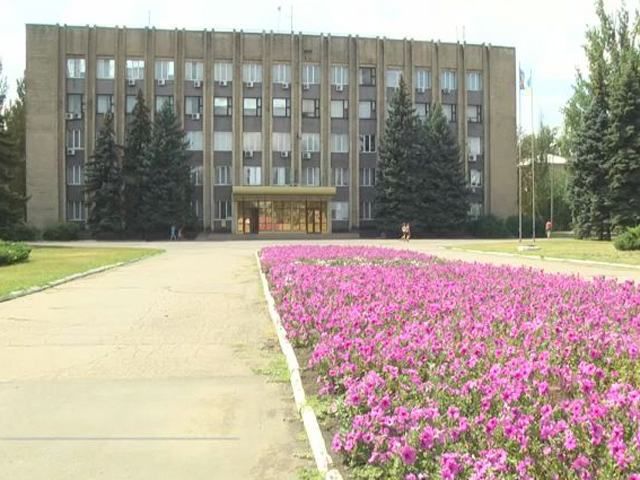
column 533, row 166
column 519, row 155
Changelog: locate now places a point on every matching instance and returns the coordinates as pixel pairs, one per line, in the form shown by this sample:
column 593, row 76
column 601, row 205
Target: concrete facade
column 303, row 71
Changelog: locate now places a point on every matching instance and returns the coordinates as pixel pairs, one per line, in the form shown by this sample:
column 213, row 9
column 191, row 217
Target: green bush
column 21, row 232
column 488, row 226
column 629, row 240
column 13, row 252
column 62, row 231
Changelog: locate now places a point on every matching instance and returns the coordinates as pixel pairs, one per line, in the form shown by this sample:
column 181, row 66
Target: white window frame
column 474, row 113
column 256, row 108
column 474, row 145
column 75, row 175
column 196, row 175
column 228, row 106
column 135, row 69
column 252, row 73
column 223, row 72
column 339, row 75
column 366, row 210
column 310, row 142
column 164, row 99
column 367, row 177
column 340, row 177
column 422, row 79
column 76, row 67
column 281, row 73
column 475, row 177
column 105, row 68
column 339, row 108
column 222, row 141
column 252, row 175
column 340, row 211
column 371, row 106
column 450, row 111
column 339, row 143
column 223, row 210
column 165, row 69
column 76, row 211
column 195, row 139
column 252, row 141
column 449, row 80
column 310, row 74
column 368, row 143
column 194, row 70
column 392, row 77
column 474, row 81
column 280, row 176
column 78, row 97
column 281, row 141
column 100, row 99
column 74, row 139
column 223, row 175
column 287, row 107
column 312, row 176
column 189, row 101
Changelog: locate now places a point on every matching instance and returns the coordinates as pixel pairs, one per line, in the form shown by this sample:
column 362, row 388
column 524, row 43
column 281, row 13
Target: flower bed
column 458, row 370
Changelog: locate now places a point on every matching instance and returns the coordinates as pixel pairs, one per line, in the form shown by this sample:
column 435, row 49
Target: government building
column 283, row 129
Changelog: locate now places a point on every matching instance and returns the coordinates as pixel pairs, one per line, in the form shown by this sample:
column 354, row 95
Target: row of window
column 281, row 73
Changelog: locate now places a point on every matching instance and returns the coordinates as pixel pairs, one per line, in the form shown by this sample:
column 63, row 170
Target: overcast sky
column 548, row 34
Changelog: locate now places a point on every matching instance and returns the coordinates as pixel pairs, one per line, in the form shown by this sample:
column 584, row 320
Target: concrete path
column 147, row 372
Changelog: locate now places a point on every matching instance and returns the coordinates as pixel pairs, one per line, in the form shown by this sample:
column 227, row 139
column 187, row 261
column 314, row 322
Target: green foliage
column 13, row 253
column 104, row 182
column 511, row 226
column 488, row 226
column 628, row 240
column 20, row 232
column 62, row 232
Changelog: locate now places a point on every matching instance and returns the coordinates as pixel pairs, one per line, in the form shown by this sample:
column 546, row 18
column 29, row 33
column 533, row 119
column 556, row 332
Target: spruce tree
column 443, row 196
column 168, row 200
column 138, row 139
column 104, row 183
column 396, row 182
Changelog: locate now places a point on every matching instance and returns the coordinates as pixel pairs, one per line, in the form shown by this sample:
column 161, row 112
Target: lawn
column 454, row 370
column 47, row 264
column 562, row 248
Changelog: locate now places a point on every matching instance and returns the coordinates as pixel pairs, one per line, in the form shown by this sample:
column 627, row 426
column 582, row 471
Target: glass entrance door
column 314, row 220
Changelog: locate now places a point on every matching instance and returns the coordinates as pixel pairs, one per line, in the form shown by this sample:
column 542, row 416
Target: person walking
column 173, row 235
column 403, row 229
column 408, row 232
column 547, row 228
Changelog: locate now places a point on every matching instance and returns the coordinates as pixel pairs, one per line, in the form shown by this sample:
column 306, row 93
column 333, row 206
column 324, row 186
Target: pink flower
column 408, row 454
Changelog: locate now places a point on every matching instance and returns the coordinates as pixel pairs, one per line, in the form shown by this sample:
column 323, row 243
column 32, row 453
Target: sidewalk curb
column 594, row 263
column 28, row 291
column 324, row 463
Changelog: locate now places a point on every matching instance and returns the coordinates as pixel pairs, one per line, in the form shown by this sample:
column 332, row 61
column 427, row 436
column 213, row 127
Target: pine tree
column 137, row 143
column 104, row 183
column 17, row 126
column 623, row 143
column 443, row 196
column 396, row 183
column 168, row 202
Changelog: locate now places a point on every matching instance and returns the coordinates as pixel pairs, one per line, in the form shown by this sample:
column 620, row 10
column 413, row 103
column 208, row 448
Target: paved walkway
column 147, row 372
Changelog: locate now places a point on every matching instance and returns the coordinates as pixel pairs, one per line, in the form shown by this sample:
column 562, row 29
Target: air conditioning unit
column 79, row 115
column 284, row 154
column 197, row 83
column 306, row 155
column 71, row 151
column 222, row 83
column 339, row 88
column 131, row 82
column 472, row 158
column 162, row 82
column 69, row 116
column 249, row 84
column 306, row 86
column 285, row 86
column 195, row 116
column 248, row 154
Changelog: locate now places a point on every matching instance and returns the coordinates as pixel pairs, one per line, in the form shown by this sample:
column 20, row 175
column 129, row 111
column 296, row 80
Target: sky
column 548, row 34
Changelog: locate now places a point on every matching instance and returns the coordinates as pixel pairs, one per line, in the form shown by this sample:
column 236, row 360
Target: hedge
column 13, row 252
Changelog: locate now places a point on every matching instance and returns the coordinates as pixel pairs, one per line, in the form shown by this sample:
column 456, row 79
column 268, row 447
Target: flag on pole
column 521, row 79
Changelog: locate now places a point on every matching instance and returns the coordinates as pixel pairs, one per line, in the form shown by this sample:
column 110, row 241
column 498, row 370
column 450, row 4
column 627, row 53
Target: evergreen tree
column 137, row 143
column 623, row 143
column 396, row 182
column 104, row 183
column 168, row 200
column 443, row 196
column 17, row 126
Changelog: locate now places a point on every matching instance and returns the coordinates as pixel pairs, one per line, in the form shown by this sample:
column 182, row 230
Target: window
column 223, row 175
column 310, row 74
column 449, row 80
column 340, row 211
column 367, row 76
column 252, row 141
column 475, row 148
column 74, row 139
column 192, row 105
column 423, row 79
column 193, row 71
column 222, row 141
column 131, row 103
column 105, row 68
column 474, row 113
column 450, row 111
column 339, row 143
column 252, row 175
column 75, row 175
column 164, row 70
column 312, row 176
column 281, row 142
column 339, row 75
column 280, row 176
column 74, row 104
column 223, row 210
column 194, row 137
column 281, row 107
column 475, row 178
column 75, row 68
column 196, row 175
column 104, row 104
column 223, row 72
column 474, row 81
column 222, row 106
column 422, row 110
column 252, row 107
column 76, row 210
column 195, row 206
column 365, row 210
column 281, row 73
column 161, row 100
column 310, row 142
column 311, row 107
column 340, row 177
column 475, row 210
column 339, row 108
column 252, row 73
column 367, row 109
column 368, row 143
column 367, row 177
column 392, row 77
column 135, row 69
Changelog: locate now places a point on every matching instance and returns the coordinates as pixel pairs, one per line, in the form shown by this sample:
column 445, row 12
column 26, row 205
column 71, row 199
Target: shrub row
column 24, row 232
column 11, row 252
column 629, row 240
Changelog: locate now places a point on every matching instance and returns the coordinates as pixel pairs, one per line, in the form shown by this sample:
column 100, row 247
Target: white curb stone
column 323, row 460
